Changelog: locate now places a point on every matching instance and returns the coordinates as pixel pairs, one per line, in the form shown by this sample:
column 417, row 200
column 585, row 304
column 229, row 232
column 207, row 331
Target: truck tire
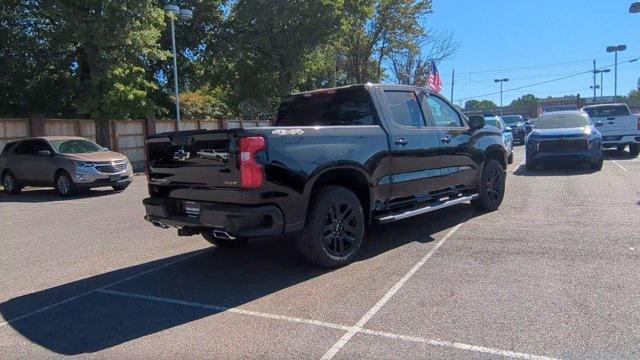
column 597, row 165
column 530, row 165
column 223, row 243
column 510, row 159
column 634, row 150
column 492, row 185
column 334, row 228
column 10, row 184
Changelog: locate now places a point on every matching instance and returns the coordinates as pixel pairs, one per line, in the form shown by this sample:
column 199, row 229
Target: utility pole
column 594, row 80
column 501, row 81
column 453, row 82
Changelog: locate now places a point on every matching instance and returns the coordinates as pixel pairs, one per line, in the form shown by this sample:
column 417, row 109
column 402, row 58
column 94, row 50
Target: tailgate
column 618, row 125
column 202, row 158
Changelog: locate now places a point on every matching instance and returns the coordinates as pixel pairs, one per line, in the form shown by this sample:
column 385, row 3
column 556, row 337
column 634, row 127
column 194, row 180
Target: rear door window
column 404, row 107
column 25, row 148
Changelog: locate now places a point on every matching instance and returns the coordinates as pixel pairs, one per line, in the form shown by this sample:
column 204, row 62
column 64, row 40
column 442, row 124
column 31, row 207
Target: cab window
column 404, row 108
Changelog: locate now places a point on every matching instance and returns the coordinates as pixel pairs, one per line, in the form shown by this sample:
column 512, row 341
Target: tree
column 525, row 101
column 410, row 65
column 278, row 33
column 372, row 29
column 483, row 105
column 110, row 41
column 205, row 103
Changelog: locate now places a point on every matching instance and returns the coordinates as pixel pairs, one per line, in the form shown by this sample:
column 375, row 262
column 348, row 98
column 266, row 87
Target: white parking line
column 620, row 166
column 24, row 316
column 297, row 320
column 232, row 310
column 366, row 317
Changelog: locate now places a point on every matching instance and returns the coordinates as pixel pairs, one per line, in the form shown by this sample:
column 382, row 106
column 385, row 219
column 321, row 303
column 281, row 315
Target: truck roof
column 603, row 105
column 367, row 85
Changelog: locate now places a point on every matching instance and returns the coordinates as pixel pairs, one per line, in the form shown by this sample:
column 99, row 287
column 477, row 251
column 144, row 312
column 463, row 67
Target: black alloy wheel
column 492, row 186
column 340, row 229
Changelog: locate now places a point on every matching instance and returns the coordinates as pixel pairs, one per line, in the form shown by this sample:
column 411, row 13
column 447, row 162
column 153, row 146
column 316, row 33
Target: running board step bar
column 426, row 209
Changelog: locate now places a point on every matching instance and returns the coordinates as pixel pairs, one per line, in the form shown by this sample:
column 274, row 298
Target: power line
column 544, row 82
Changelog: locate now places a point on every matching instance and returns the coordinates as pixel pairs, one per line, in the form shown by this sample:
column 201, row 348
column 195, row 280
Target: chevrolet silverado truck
column 618, row 126
column 336, row 160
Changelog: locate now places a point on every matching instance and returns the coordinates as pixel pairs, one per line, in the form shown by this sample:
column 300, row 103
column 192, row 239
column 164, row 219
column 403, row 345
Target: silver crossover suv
column 69, row 164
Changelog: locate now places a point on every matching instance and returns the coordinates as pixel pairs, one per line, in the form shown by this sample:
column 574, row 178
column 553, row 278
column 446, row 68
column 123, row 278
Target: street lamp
column 340, row 59
column 615, row 49
column 174, row 11
column 634, row 8
column 501, row 81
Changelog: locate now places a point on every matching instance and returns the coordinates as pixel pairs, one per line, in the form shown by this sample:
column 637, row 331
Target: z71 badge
column 288, row 132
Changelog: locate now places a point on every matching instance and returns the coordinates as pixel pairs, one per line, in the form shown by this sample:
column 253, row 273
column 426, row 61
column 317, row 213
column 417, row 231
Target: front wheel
column 492, row 186
column 634, row 150
column 334, row 229
column 10, row 184
column 597, row 165
column 64, row 185
column 510, row 159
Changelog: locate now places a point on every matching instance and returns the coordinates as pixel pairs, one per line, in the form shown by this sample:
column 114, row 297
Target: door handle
column 446, row 139
column 401, row 142
column 611, row 118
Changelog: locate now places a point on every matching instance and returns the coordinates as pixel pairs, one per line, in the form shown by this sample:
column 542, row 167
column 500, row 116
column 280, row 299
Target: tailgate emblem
column 288, row 132
column 181, row 155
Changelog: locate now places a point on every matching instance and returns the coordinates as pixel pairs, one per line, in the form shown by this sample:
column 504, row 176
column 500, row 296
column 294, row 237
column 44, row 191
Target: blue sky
column 495, row 35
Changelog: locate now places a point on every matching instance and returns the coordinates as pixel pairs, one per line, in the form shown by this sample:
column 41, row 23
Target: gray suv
column 69, row 164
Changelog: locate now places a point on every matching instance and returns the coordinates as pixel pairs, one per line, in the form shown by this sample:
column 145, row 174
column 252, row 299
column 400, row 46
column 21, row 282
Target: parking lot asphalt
column 554, row 273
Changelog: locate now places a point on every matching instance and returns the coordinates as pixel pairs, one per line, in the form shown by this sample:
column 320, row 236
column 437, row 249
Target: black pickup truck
column 335, row 161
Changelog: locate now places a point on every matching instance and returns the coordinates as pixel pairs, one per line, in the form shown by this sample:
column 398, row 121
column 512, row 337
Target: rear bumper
column 239, row 221
column 613, row 140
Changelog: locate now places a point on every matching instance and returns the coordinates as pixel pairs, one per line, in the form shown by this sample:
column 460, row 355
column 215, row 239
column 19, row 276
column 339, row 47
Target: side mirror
column 44, row 153
column 599, row 123
column 476, row 122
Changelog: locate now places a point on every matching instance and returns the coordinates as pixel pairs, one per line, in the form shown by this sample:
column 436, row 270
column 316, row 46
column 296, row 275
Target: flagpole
column 453, row 82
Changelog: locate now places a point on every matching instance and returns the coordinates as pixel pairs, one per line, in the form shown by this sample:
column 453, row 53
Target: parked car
column 507, row 134
column 337, row 160
column 564, row 136
column 528, row 126
column 619, row 127
column 69, row 164
column 516, row 123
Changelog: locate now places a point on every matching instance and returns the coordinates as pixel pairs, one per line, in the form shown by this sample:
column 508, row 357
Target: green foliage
column 525, row 101
column 205, row 103
column 482, row 105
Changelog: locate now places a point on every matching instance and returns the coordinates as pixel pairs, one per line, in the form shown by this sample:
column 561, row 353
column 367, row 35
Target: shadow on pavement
column 617, row 155
column 556, row 169
column 221, row 277
column 40, row 195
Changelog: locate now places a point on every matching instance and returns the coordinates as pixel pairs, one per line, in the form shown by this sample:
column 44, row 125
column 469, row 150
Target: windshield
column 559, row 121
column 603, row 111
column 75, row 146
column 512, row 119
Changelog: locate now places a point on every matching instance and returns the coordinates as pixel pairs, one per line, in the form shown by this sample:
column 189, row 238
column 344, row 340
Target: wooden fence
column 127, row 136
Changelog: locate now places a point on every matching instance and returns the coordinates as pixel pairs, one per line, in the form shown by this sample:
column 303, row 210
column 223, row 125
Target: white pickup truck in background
column 618, row 126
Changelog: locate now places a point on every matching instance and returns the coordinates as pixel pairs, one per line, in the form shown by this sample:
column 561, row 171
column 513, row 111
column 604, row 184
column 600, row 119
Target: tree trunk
column 103, row 132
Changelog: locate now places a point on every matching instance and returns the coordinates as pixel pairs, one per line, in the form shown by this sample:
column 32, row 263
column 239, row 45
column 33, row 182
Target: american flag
column 435, row 84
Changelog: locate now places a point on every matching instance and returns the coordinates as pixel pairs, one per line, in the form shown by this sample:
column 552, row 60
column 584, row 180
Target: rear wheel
column 510, row 159
column 492, row 186
column 334, row 229
column 10, row 184
column 64, row 185
column 219, row 242
column 634, row 150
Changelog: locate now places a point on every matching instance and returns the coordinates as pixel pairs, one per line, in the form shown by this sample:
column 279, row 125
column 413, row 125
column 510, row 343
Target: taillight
column 251, row 173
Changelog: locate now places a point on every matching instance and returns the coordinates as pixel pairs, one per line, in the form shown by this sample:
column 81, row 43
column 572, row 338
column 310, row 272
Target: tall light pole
column 501, row 81
column 601, row 80
column 340, row 59
column 173, row 11
column 615, row 49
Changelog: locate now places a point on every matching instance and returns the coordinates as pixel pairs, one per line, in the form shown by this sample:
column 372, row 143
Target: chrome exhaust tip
column 223, row 234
